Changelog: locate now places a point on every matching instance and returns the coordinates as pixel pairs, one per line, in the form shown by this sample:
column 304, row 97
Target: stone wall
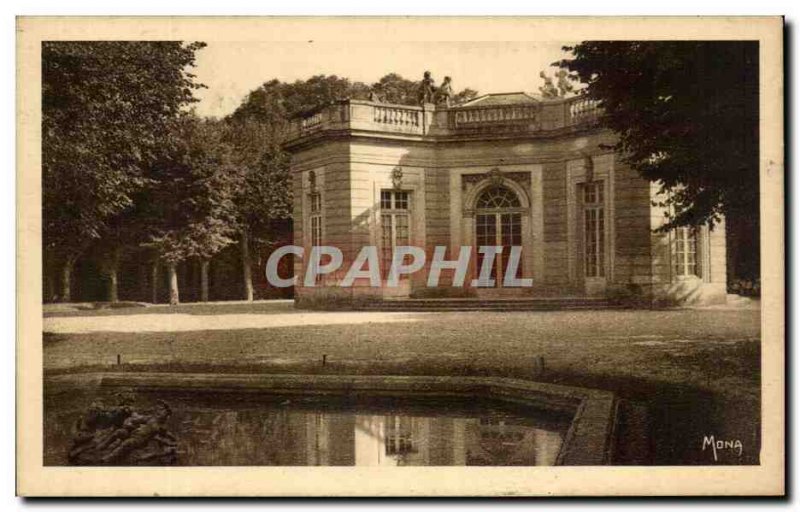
column 632, row 265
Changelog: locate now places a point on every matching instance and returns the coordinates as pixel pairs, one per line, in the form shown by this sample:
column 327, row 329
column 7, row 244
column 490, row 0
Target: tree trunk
column 204, row 280
column 49, row 284
column 66, row 280
column 246, row 267
column 174, row 296
column 143, row 283
column 154, row 280
column 113, row 286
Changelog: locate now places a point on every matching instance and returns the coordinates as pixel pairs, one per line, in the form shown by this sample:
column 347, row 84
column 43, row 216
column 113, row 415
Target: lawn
column 696, row 371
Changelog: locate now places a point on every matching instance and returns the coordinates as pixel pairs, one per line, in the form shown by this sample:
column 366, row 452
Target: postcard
column 400, row 256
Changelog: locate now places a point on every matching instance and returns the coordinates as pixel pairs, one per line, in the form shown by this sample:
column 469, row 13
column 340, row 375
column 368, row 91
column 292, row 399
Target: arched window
column 498, row 222
column 497, row 197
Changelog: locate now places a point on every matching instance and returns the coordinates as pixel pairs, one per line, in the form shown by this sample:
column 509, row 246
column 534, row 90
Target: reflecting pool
column 247, row 429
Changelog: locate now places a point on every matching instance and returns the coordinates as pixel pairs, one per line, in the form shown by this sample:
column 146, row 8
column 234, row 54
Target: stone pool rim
column 588, row 441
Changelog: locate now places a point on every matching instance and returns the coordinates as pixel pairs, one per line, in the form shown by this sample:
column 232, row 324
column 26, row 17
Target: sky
column 232, row 69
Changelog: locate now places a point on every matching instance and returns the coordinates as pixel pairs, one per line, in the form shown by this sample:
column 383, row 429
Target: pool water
column 226, row 429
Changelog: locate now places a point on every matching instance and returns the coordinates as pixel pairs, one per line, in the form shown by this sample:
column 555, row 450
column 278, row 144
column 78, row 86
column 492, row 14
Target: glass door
column 498, row 229
column 486, row 235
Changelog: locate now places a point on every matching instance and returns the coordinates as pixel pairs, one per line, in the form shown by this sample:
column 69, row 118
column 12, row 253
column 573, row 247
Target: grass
column 696, row 370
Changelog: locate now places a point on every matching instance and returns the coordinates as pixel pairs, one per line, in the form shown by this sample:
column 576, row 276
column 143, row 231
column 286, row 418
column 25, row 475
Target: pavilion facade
column 501, row 170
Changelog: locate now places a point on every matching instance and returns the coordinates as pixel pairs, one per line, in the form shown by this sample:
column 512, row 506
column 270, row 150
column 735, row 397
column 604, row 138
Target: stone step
column 389, row 305
column 485, row 310
column 493, row 299
column 544, row 304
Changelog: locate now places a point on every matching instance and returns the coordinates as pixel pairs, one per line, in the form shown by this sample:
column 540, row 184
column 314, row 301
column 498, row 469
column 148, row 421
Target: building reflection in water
column 283, row 436
column 420, row 441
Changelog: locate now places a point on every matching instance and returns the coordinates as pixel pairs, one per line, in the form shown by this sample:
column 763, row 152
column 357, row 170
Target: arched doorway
column 498, row 222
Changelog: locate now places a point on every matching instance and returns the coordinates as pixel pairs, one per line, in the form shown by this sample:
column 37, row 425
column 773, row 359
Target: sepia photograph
column 399, row 242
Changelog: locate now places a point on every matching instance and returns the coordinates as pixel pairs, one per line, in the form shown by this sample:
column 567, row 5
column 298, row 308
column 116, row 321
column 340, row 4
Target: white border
column 153, row 7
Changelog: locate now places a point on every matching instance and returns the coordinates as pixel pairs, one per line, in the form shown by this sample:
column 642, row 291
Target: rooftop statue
column 375, row 93
column 548, row 90
column 427, row 89
column 445, row 92
column 564, row 85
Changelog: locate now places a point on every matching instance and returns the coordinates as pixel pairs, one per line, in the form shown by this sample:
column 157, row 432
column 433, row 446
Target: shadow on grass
column 678, row 418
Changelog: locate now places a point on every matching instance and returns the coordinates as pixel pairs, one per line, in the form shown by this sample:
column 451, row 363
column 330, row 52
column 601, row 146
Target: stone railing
column 396, row 115
column 487, row 117
column 362, row 115
column 365, row 116
column 531, row 117
column 312, row 121
column 582, row 110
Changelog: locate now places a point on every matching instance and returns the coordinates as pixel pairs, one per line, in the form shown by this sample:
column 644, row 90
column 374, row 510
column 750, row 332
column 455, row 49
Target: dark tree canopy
column 686, row 114
column 393, row 88
column 107, row 107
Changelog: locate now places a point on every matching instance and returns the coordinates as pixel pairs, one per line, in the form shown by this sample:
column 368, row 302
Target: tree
column 686, row 114
column 263, row 193
column 397, row 90
column 465, row 95
column 121, row 233
column 192, row 213
column 319, row 90
column 106, row 108
column 257, row 129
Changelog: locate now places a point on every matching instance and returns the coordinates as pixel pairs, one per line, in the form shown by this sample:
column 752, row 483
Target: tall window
column 398, row 435
column 316, row 219
column 316, row 224
column 395, row 224
column 684, row 252
column 594, row 229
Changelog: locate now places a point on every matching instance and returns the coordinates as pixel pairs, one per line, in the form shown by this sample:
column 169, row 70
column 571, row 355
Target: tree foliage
column 306, row 95
column 395, row 89
column 464, row 95
column 686, row 114
column 107, row 106
column 190, row 200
